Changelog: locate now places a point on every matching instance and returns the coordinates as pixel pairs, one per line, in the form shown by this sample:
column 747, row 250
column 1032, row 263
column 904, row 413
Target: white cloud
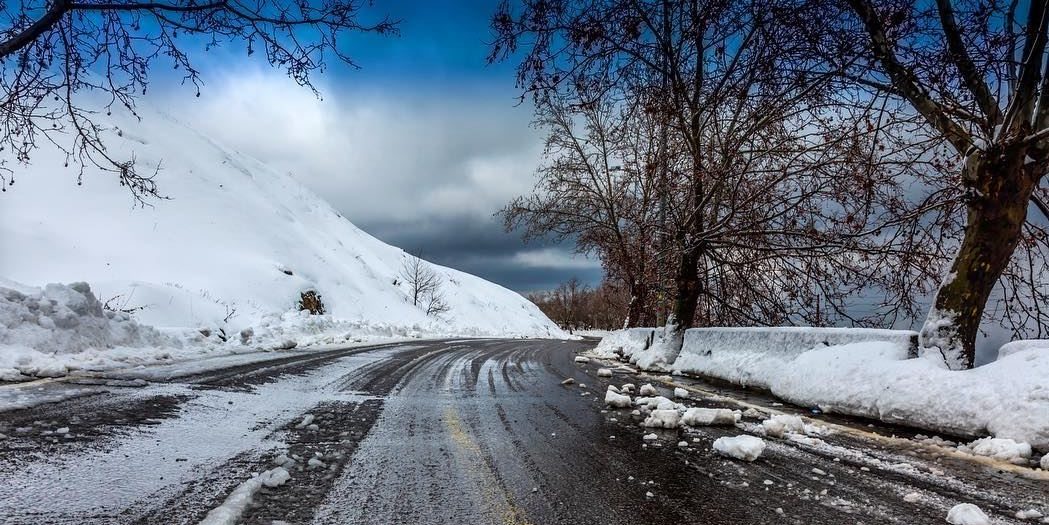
column 377, row 156
column 554, row 258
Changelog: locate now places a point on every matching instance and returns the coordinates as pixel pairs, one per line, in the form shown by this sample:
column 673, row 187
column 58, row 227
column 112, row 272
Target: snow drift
column 871, row 373
column 234, row 247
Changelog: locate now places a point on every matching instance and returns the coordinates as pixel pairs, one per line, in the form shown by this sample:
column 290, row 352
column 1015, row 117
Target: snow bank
column 1023, row 345
column 38, row 324
column 1008, row 398
column 872, row 373
column 754, row 356
column 59, row 329
column 625, row 343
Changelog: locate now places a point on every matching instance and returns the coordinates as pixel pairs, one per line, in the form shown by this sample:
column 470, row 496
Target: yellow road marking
column 495, row 495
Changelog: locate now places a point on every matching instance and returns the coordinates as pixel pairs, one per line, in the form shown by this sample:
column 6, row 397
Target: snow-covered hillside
column 234, row 246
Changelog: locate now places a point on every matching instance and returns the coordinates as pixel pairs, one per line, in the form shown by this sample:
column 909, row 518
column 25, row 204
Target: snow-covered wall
column 751, row 356
column 237, row 242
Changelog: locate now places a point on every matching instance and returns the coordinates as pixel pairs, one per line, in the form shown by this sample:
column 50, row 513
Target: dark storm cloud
column 481, row 247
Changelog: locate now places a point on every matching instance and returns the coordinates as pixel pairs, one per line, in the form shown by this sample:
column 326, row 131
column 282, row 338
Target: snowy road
column 476, row 431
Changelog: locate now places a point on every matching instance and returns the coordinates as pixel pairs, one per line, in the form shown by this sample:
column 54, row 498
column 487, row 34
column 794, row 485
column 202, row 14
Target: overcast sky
column 420, row 147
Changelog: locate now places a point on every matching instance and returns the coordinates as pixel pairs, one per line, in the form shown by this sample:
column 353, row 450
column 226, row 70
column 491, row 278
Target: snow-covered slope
column 236, row 238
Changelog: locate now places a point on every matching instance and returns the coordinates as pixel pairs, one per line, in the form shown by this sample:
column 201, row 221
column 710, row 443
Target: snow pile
column 967, row 514
column 234, row 247
column 871, row 373
column 1023, row 345
column 1007, row 398
column 1002, row 449
column 661, row 353
column 36, row 324
column 747, row 448
column 238, row 501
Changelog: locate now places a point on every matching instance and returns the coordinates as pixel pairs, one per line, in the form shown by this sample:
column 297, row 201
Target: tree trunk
column 638, row 302
column 996, row 212
column 688, row 289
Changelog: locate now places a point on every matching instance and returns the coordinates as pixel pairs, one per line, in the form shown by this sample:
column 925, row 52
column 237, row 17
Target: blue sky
column 420, row 146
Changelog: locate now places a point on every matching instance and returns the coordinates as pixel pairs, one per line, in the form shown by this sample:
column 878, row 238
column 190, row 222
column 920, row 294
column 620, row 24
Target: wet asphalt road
column 478, row 432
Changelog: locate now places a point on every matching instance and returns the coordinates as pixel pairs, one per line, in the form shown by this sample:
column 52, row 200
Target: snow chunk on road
column 777, row 426
column 604, row 372
column 681, row 393
column 747, row 448
column 237, row 502
column 581, row 359
column 627, row 388
column 1045, row 462
column 649, row 437
column 709, row 416
column 613, row 399
column 306, row 420
column 663, row 419
column 648, row 390
column 657, row 403
column 1003, row 449
column 1029, row 514
column 967, row 514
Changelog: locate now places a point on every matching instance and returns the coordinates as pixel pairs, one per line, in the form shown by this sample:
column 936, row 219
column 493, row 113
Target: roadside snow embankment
column 873, row 373
column 40, row 327
column 52, row 331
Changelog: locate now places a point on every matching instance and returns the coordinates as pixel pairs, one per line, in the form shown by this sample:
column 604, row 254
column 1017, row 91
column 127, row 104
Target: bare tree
column 962, row 83
column 424, row 285
column 755, row 187
column 54, row 52
column 597, row 189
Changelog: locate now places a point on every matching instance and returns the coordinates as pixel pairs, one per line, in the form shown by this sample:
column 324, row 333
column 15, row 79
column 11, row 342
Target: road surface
column 474, row 431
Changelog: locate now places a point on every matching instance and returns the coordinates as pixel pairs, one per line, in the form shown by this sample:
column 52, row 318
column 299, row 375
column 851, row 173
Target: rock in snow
column 747, row 448
column 967, row 514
